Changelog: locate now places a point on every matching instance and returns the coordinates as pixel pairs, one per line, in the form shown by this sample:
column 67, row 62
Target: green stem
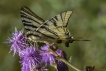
column 62, row 59
column 66, row 62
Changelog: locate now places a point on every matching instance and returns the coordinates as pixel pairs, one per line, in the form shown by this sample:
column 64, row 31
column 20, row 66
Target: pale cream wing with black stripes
column 30, row 20
column 61, row 19
column 56, row 26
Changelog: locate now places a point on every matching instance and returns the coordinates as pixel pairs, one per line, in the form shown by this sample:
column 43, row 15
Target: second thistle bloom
column 47, row 57
column 30, row 59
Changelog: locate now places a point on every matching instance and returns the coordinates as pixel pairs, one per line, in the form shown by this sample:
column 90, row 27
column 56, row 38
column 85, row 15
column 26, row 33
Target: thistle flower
column 30, row 59
column 17, row 41
column 61, row 66
column 34, row 59
column 47, row 57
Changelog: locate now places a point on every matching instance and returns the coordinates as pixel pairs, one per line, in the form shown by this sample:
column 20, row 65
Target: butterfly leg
column 39, row 27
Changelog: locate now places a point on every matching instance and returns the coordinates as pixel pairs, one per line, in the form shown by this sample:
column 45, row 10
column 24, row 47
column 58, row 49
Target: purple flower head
column 47, row 57
column 61, row 66
column 30, row 59
column 17, row 41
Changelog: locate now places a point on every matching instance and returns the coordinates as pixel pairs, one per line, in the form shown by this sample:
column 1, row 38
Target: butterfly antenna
column 82, row 39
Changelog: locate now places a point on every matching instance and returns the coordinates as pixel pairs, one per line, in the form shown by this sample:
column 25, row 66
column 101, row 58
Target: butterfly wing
column 61, row 19
column 30, row 20
column 56, row 27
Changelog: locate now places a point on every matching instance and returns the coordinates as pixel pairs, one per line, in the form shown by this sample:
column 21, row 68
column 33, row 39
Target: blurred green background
column 88, row 20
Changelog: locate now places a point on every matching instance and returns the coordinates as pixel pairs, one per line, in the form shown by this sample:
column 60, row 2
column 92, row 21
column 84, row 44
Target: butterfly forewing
column 57, row 25
column 60, row 19
column 30, row 20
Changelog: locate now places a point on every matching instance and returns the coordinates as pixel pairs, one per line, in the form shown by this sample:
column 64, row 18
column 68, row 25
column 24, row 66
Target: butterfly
column 52, row 30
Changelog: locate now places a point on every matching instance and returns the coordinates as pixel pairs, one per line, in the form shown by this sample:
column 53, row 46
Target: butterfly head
column 69, row 40
column 74, row 39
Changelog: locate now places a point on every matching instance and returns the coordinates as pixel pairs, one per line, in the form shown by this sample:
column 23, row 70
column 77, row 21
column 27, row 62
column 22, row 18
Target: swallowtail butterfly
column 52, row 30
